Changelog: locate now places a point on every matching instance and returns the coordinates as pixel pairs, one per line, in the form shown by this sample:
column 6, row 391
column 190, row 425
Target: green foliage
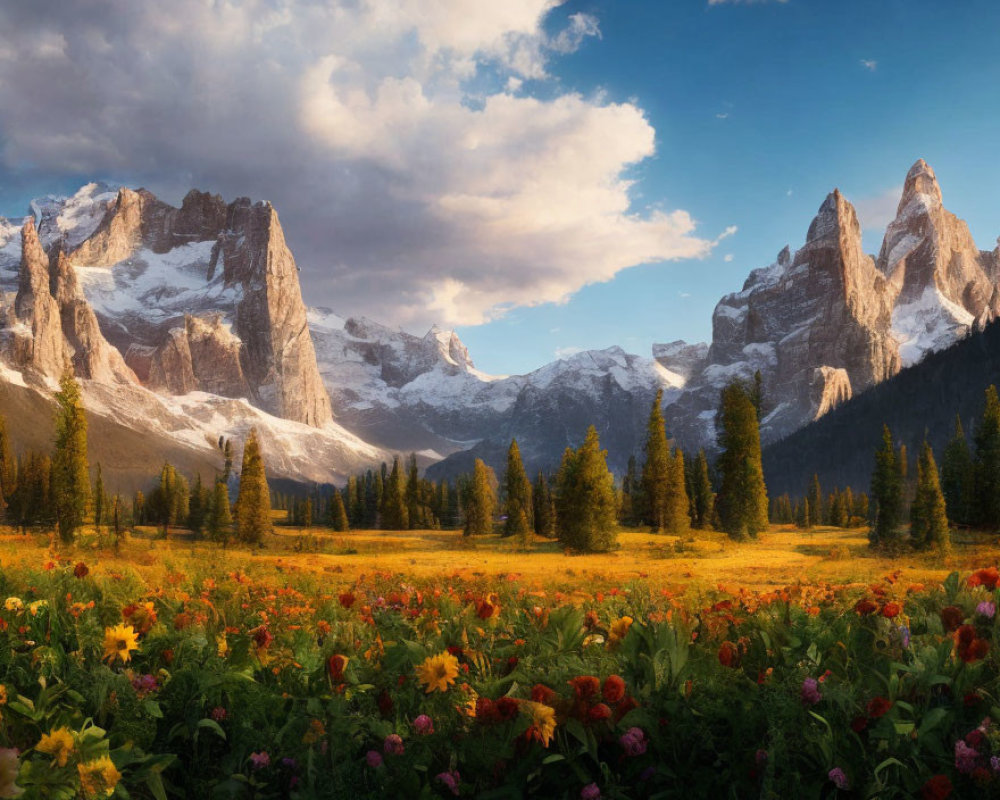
column 986, row 510
column 337, row 514
column 544, row 509
column 220, row 519
column 742, row 498
column 395, row 515
column 928, row 514
column 479, row 500
column 958, row 477
column 887, row 493
column 586, row 506
column 253, row 502
column 702, row 497
column 70, row 470
column 664, row 501
column 517, row 503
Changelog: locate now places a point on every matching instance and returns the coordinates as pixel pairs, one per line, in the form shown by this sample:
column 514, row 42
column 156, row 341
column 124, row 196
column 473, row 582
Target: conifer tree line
column 841, row 508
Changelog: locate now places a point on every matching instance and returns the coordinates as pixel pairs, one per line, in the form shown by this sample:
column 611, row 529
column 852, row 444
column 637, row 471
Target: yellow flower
column 618, row 630
column 98, row 778
column 438, row 672
column 35, row 607
column 119, row 642
column 58, row 744
column 3, row 695
column 543, row 721
column 14, row 604
column 221, row 645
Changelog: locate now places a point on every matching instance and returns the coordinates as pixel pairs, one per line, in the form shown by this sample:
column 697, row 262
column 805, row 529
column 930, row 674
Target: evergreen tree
column 544, row 508
column 198, row 507
column 227, row 455
column 585, row 498
column 480, row 500
column 742, row 497
column 395, row 516
column 861, row 506
column 99, row 499
column 630, row 488
column 987, row 465
column 887, row 492
column 678, row 507
column 803, row 514
column 848, row 498
column 337, row 513
column 253, row 502
column 8, row 464
column 354, row 502
column 815, row 497
column 702, row 496
column 958, row 477
column 517, row 504
column 117, row 521
column 220, row 519
column 139, row 508
column 657, row 472
column 928, row 516
column 70, row 473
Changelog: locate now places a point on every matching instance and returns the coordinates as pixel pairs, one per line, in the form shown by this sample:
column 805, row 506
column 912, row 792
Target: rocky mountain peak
column 921, row 184
column 836, row 217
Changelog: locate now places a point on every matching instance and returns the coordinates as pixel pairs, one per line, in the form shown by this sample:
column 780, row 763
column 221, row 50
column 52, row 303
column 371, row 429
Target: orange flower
column 988, row 577
column 613, row 688
column 890, row 610
column 335, row 665
column 585, row 686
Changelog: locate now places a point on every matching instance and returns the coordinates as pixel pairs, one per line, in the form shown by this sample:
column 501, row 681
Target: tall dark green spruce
column 586, row 506
column 986, row 511
column 928, row 514
column 70, row 470
column 544, row 508
column 815, row 497
column 887, row 494
column 395, row 516
column 337, row 513
column 479, row 501
column 517, row 506
column 664, row 497
column 742, row 498
column 253, row 502
column 701, row 495
column 220, row 519
column 958, row 476
column 99, row 509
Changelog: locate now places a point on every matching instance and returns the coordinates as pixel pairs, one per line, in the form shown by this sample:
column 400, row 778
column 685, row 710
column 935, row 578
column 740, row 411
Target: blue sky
column 461, row 163
column 760, row 109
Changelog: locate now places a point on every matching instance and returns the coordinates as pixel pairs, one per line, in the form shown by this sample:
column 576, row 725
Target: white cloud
column 728, row 257
column 722, row 115
column 406, row 194
column 869, row 64
column 878, row 210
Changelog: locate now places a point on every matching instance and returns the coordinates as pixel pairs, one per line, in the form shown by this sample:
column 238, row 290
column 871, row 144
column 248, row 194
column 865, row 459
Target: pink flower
column 393, row 745
column 633, row 742
column 590, row 792
column 810, row 692
column 260, row 760
column 218, row 714
column 423, row 725
column 838, row 778
column 373, row 759
column 451, row 780
column 965, row 757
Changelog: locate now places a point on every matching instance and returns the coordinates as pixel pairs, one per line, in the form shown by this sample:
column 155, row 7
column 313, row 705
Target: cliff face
column 247, row 274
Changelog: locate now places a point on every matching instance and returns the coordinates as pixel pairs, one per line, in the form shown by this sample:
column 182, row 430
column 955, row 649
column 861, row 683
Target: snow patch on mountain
column 930, row 323
column 71, row 220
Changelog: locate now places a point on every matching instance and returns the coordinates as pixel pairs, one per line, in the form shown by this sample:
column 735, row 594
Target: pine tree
column 928, row 515
column 8, row 464
column 220, row 518
column 354, row 502
column 848, row 497
column 395, row 516
column 544, row 508
column 585, row 498
column 702, row 496
column 657, row 474
column 517, row 504
column 803, row 514
column 480, row 500
column 117, row 521
column 199, row 505
column 139, row 508
column 815, row 497
column 70, row 475
column 678, row 517
column 253, row 502
column 958, row 477
column 887, row 492
column 99, row 498
column 987, row 464
column 742, row 498
column 630, row 488
column 227, row 455
column 337, row 513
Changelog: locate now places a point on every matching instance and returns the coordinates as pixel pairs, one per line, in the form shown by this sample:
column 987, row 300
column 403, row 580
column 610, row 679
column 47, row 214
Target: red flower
column 878, row 706
column 613, row 689
column 968, row 647
column 971, row 700
column 858, row 724
column 262, row 637
column 974, row 738
column 506, row 708
column 728, row 654
column 335, row 666
column 385, row 704
column 626, row 705
column 347, row 599
column 598, row 713
column 585, row 686
column 81, row 570
column 543, row 694
column 865, row 607
column 988, row 577
column 486, row 713
column 890, row 610
column 951, row 618
column 936, row 788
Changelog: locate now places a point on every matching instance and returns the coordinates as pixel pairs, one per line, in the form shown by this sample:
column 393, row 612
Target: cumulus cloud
column 876, row 211
column 869, row 64
column 417, row 176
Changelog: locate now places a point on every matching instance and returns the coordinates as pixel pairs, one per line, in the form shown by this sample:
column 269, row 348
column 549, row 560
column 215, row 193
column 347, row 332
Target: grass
column 696, row 561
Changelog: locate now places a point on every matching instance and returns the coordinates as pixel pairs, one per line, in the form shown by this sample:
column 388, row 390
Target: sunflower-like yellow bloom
column 543, row 721
column 98, row 778
column 618, row 630
column 438, row 672
column 58, row 743
column 119, row 642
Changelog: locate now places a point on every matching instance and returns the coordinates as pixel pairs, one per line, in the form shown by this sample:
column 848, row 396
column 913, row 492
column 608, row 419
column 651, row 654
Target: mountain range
column 187, row 325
